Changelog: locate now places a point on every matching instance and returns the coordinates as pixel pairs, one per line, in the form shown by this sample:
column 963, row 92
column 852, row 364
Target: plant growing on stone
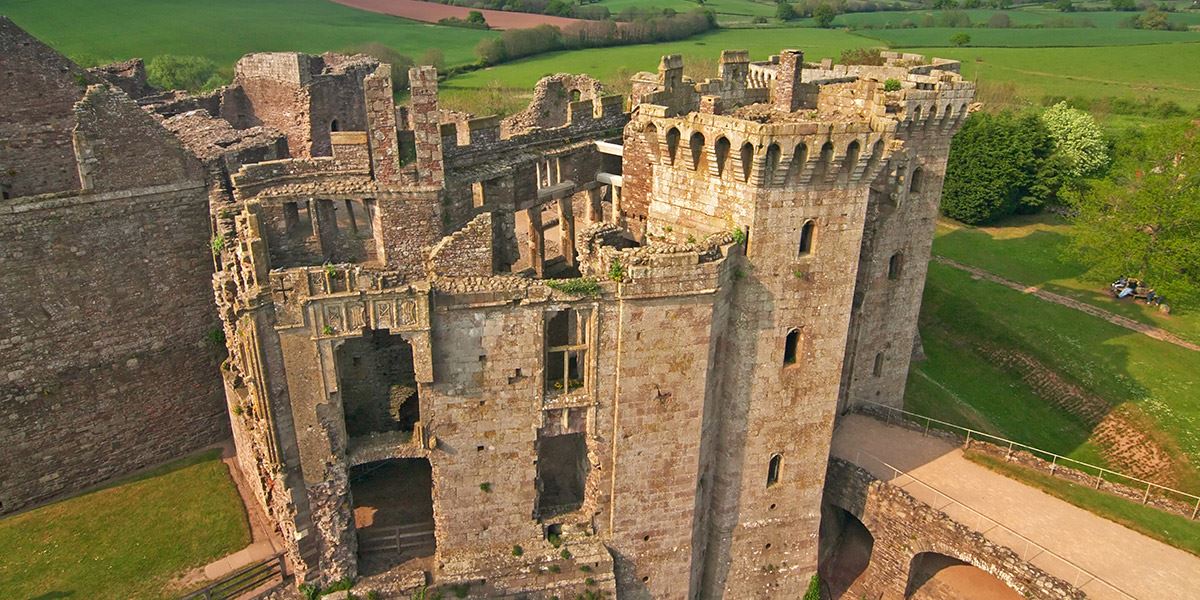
column 217, row 244
column 330, row 270
column 486, row 487
column 580, row 286
column 616, row 270
column 739, row 235
column 555, row 569
column 565, row 554
column 327, row 330
column 585, row 568
column 891, row 85
column 554, row 539
column 518, row 551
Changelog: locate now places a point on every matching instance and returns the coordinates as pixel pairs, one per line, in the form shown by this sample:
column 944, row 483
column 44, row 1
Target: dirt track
column 430, row 12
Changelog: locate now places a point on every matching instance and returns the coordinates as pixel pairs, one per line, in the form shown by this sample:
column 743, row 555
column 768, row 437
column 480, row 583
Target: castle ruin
column 589, row 348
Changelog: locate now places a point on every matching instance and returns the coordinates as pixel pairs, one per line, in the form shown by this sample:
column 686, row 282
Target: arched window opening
column 946, row 114
column 852, row 153
column 672, row 144
column 876, row 155
column 914, row 181
column 806, row 237
column 650, row 134
column 933, row 114
column 747, row 160
column 826, row 158
column 696, row 144
column 773, row 469
column 575, row 95
column 799, row 159
column 962, row 111
column 791, row 347
column 916, row 116
column 773, row 154
column 333, row 125
column 877, row 369
column 722, row 156
column 895, row 265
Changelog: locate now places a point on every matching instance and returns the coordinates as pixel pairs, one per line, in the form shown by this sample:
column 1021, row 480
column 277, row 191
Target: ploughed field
column 432, row 12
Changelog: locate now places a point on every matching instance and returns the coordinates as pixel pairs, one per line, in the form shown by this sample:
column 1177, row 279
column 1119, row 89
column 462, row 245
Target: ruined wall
column 40, row 89
column 106, row 330
column 903, row 527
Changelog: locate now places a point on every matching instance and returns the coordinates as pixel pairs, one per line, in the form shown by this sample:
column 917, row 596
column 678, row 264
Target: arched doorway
column 844, row 546
column 393, row 512
column 933, row 576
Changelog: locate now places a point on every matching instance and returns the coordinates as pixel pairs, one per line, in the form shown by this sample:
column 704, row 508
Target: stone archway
column 936, row 576
column 845, row 546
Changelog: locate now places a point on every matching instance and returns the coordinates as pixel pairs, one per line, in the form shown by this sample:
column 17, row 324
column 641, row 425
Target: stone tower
column 591, row 351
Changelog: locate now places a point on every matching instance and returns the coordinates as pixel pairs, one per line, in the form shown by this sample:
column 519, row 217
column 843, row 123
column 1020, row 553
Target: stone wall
column 107, row 337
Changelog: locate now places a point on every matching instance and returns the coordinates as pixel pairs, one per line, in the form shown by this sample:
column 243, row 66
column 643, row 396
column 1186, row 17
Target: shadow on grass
column 1046, row 375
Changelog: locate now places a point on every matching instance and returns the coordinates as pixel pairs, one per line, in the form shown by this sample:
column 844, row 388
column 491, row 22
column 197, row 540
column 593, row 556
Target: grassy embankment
column 128, row 540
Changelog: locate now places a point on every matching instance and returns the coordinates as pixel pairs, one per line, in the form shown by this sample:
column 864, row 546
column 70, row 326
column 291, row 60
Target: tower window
column 806, row 237
column 896, row 265
column 747, row 160
column 914, row 182
column 790, row 347
column 773, row 469
column 722, row 155
column 877, row 369
column 853, row 151
column 333, row 125
column 672, row 144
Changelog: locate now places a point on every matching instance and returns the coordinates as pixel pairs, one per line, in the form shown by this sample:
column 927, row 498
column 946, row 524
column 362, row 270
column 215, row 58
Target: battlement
column 300, row 69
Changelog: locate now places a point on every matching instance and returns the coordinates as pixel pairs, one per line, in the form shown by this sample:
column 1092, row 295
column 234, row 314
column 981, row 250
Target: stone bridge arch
column 907, row 533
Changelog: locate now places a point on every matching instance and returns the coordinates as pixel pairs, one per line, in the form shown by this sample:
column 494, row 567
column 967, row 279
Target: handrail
column 244, row 580
column 896, row 473
column 1100, row 471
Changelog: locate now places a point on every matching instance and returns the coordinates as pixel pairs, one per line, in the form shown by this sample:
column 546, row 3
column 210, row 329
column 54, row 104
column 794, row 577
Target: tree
column 997, row 166
column 824, row 15
column 400, row 63
column 434, row 58
column 1142, row 220
column 1124, row 5
column 171, row 72
column 1064, row 5
column 960, row 39
column 785, row 12
column 476, row 18
column 1077, row 138
column 944, row 4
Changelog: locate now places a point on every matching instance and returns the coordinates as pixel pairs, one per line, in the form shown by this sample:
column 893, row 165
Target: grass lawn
column 1158, row 379
column 1174, row 530
column 223, row 30
column 1164, row 71
column 1040, row 241
column 959, row 386
column 128, row 540
column 1029, row 38
column 609, row 63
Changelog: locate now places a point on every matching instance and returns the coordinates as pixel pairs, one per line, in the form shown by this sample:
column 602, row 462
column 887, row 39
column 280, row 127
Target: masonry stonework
column 582, row 351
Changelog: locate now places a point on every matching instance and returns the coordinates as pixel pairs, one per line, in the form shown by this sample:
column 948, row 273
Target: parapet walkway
column 1142, row 567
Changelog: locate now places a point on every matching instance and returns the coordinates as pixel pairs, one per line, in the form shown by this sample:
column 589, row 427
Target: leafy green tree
column 1064, row 5
column 1077, row 138
column 1125, row 5
column 476, row 18
column 434, row 58
column 785, row 12
column 998, row 165
column 960, row 39
column 171, row 72
column 1143, row 220
column 824, row 15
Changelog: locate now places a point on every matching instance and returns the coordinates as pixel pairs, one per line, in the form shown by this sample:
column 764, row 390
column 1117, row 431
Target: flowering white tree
column 1077, row 138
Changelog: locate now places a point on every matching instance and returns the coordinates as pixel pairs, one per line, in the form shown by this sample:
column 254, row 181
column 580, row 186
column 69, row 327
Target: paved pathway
column 1140, row 566
column 1095, row 311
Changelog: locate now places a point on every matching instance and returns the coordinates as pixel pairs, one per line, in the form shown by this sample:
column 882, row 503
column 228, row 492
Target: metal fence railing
column 243, row 581
column 1055, row 459
column 1029, row 549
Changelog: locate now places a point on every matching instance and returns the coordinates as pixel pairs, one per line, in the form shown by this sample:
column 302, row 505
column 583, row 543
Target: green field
column 95, row 31
column 959, row 314
column 1041, row 243
column 727, row 11
column 1029, row 38
column 1018, row 17
column 607, row 63
column 128, row 540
